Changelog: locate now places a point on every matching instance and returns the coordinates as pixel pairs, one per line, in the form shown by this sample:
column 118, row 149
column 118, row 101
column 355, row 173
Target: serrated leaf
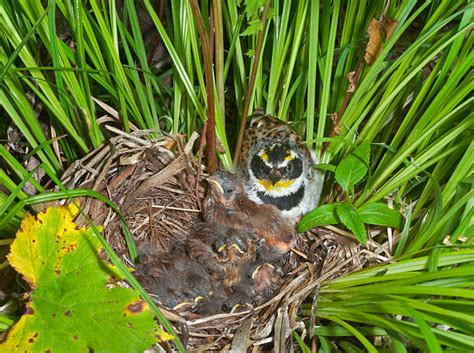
column 354, row 167
column 253, row 7
column 250, row 53
column 380, row 214
column 363, row 152
column 351, row 219
column 75, row 300
column 252, row 28
column 323, row 215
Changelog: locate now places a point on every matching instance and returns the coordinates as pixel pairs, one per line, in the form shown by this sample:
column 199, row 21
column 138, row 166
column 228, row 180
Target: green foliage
column 252, row 29
column 353, row 168
column 324, row 214
column 380, row 214
column 383, row 295
column 350, row 171
column 351, row 219
column 71, row 286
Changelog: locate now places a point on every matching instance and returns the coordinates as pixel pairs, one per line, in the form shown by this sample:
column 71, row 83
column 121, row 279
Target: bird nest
column 155, row 184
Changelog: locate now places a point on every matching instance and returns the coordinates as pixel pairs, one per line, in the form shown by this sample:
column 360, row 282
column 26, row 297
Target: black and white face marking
column 278, row 169
column 262, row 171
column 284, row 203
column 277, row 163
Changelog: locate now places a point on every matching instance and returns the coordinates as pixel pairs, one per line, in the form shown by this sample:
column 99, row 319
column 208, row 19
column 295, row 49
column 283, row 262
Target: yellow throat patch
column 281, row 184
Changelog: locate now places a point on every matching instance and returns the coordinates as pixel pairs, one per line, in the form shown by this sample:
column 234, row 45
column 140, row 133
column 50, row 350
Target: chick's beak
column 214, row 183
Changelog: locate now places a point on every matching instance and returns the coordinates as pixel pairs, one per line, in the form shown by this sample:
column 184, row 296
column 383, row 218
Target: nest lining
column 153, row 181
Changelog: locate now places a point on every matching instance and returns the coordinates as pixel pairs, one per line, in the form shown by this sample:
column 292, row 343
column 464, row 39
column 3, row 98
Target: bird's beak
column 275, row 176
column 215, row 184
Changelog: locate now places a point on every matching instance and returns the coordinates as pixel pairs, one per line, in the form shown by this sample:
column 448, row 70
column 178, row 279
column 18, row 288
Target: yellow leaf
column 73, row 304
column 27, row 248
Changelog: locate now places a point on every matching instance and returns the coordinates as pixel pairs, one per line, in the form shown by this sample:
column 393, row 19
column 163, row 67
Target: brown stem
column 344, row 104
column 198, row 173
column 252, row 79
column 206, row 53
column 212, row 34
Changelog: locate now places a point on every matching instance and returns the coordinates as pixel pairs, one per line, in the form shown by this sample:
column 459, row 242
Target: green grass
column 413, row 105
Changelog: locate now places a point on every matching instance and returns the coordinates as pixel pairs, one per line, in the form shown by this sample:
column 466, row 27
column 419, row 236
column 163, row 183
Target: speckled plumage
column 278, row 167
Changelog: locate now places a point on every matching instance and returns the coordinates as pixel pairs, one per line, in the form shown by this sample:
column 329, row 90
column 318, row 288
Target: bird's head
column 276, row 168
column 224, row 188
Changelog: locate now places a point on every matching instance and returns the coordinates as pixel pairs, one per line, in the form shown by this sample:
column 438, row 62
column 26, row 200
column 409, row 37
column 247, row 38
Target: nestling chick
column 227, row 205
column 266, row 280
column 236, row 253
column 222, row 252
column 202, row 245
column 180, row 283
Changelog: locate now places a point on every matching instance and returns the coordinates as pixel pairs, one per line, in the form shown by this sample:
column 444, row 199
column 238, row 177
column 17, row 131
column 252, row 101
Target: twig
column 253, row 77
column 206, row 53
column 175, row 208
column 212, row 34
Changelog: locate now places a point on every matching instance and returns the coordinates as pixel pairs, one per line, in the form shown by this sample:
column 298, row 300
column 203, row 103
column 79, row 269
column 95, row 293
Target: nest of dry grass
column 154, row 182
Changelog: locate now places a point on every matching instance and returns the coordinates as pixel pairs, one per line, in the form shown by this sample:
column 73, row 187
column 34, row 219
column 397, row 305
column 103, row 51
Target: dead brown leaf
column 389, row 25
column 351, row 76
column 374, row 46
column 336, row 128
column 378, row 31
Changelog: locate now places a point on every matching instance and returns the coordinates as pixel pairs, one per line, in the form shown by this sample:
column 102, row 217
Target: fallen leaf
column 220, row 146
column 336, row 128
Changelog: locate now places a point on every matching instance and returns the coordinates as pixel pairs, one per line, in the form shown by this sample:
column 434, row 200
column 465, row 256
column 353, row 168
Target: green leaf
column 303, row 346
column 250, row 53
column 351, row 219
column 74, row 294
column 326, row 166
column 253, row 28
column 253, row 7
column 354, row 167
column 380, row 214
column 323, row 215
column 426, row 330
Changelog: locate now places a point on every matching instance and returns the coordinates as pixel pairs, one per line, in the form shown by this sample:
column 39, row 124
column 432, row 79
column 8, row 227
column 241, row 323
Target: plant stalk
column 206, row 53
column 253, row 76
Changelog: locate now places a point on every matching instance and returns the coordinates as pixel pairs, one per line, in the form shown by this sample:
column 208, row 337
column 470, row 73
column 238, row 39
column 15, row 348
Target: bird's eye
column 228, row 190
